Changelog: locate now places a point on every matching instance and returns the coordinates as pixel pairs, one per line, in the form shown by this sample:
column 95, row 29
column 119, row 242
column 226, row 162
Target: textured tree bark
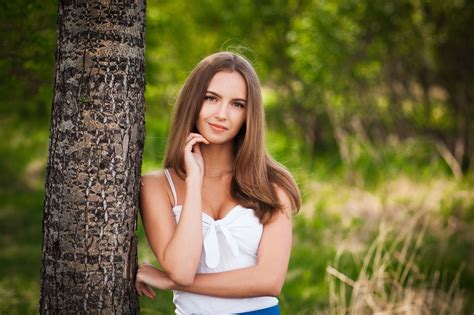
column 95, row 153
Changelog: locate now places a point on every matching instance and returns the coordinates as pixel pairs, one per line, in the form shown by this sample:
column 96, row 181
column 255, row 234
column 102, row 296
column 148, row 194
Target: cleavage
column 222, row 213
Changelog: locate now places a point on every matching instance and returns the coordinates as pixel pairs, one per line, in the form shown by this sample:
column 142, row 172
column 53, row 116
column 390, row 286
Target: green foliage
column 28, row 31
column 306, row 286
column 20, row 260
column 358, row 97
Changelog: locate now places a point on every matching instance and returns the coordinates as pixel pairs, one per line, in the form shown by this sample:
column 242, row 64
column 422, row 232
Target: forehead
column 229, row 84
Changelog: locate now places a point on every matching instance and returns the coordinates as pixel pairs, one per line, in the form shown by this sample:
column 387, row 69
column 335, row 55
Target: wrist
column 194, row 181
column 168, row 284
column 173, row 286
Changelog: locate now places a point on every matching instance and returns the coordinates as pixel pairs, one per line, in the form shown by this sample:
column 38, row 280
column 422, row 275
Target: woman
column 218, row 218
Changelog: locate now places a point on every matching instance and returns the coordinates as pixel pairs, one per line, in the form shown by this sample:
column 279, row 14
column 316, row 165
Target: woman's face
column 224, row 108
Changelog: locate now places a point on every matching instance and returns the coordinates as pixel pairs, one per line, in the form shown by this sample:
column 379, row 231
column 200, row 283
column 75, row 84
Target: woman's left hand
column 149, row 276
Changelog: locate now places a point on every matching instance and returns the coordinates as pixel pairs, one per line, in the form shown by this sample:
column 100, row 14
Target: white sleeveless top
column 229, row 243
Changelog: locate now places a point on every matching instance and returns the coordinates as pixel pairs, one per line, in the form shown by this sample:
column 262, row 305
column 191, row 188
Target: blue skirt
column 273, row 310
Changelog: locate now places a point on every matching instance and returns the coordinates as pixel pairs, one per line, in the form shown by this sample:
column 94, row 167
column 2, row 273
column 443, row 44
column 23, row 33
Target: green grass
column 22, row 156
column 20, row 258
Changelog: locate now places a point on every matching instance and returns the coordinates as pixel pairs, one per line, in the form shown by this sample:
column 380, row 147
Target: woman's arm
column 266, row 278
column 176, row 246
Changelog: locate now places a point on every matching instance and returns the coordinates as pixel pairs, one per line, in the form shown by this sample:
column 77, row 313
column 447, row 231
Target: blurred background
column 368, row 103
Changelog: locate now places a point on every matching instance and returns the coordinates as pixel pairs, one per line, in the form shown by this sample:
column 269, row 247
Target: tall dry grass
column 389, row 280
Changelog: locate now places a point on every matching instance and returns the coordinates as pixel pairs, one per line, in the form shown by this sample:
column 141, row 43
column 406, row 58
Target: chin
column 213, row 139
column 218, row 141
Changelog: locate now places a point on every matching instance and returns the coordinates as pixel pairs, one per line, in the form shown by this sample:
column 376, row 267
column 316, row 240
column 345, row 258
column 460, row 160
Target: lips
column 217, row 126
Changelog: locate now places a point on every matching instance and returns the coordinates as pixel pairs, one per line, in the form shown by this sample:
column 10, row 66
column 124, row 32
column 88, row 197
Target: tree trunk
column 93, row 174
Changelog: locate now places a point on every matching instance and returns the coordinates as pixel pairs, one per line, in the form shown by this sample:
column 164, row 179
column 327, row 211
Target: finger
column 149, row 290
column 192, row 135
column 197, row 148
column 137, row 283
column 196, row 136
column 147, row 293
column 139, row 291
column 207, row 141
column 139, row 287
column 189, row 146
column 194, row 141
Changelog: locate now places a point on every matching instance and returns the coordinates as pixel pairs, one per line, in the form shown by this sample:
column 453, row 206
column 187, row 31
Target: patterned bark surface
column 95, row 153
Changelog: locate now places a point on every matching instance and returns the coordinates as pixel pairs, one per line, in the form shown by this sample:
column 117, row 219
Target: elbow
column 275, row 290
column 275, row 286
column 182, row 279
column 273, row 280
column 181, row 274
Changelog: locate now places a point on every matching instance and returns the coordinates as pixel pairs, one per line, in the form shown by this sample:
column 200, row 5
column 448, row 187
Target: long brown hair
column 254, row 172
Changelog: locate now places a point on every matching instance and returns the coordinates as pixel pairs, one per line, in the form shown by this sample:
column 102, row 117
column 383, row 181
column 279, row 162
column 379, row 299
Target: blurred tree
column 332, row 70
column 93, row 174
column 381, row 68
column 27, row 58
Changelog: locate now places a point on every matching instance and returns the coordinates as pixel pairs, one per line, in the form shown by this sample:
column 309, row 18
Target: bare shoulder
column 156, row 178
column 153, row 175
column 284, row 200
column 283, row 196
column 154, row 184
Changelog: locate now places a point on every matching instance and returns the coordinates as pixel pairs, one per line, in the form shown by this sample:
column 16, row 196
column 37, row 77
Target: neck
column 217, row 158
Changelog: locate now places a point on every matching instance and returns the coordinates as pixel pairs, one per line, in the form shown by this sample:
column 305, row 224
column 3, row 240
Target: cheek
column 205, row 112
column 239, row 121
column 200, row 121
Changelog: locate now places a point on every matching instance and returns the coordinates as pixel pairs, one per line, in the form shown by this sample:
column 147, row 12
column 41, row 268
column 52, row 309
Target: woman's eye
column 210, row 98
column 239, row 105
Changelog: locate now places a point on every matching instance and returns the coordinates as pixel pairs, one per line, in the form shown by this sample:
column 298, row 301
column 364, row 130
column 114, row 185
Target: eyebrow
column 234, row 99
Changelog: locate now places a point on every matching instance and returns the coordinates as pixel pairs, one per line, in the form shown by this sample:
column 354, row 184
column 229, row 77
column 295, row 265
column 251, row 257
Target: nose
column 221, row 111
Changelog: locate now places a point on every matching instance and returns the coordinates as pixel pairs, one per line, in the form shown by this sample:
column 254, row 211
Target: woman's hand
column 193, row 160
column 149, row 276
